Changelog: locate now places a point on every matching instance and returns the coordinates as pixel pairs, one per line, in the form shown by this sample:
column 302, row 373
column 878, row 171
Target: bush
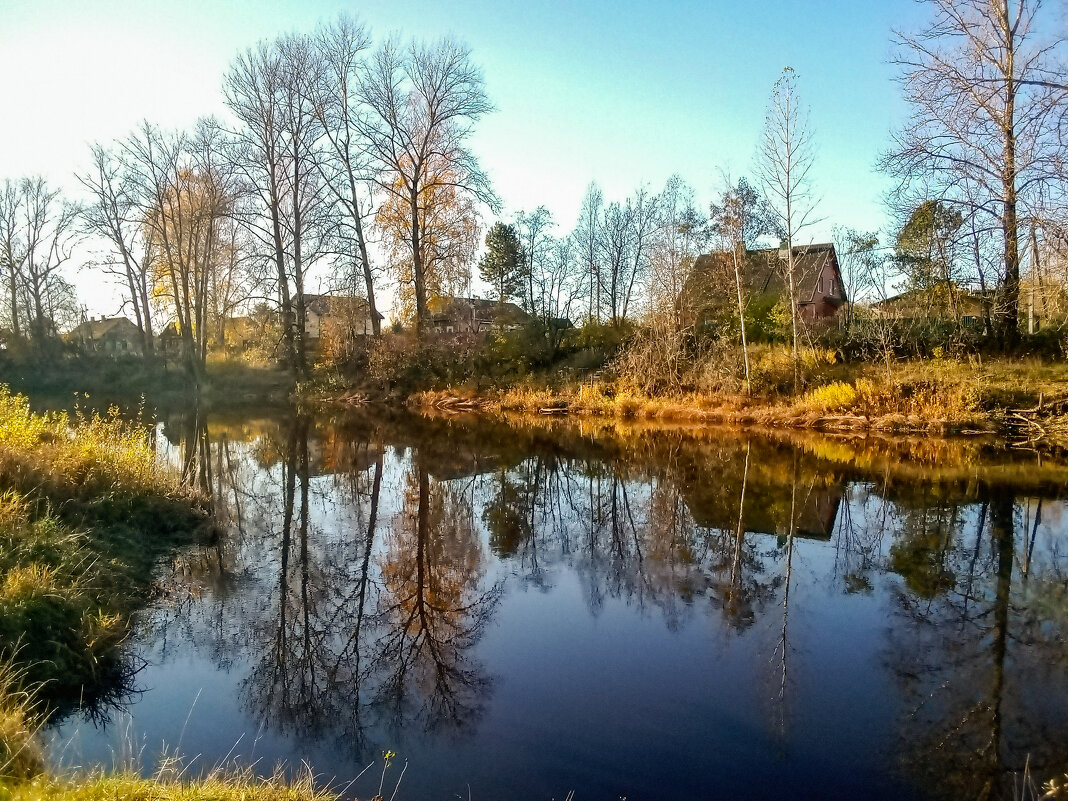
column 830, row 397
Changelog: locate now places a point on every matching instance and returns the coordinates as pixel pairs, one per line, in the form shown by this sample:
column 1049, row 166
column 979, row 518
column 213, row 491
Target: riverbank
column 86, row 513
column 1021, row 399
column 127, row 382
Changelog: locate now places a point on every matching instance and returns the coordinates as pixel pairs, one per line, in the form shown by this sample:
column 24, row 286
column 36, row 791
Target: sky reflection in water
column 526, row 612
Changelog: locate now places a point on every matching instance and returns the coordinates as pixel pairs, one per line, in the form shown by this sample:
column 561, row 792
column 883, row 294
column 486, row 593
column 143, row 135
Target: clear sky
column 618, row 92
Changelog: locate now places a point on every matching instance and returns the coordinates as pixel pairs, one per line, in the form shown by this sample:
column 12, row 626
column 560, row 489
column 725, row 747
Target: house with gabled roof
column 817, row 279
column 452, row 315
column 111, row 336
column 323, row 313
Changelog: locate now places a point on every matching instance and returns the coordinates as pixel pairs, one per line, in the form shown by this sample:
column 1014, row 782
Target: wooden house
column 111, row 336
column 818, row 283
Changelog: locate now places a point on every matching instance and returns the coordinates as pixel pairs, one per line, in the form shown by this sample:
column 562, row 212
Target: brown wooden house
column 817, row 281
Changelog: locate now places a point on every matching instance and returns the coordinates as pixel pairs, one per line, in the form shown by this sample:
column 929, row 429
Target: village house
column 329, row 315
column 941, row 302
column 111, row 336
column 817, row 281
column 453, row 315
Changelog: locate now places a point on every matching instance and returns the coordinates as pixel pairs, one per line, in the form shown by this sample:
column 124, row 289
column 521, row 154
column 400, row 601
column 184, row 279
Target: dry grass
column 80, row 453
column 169, row 785
column 932, row 396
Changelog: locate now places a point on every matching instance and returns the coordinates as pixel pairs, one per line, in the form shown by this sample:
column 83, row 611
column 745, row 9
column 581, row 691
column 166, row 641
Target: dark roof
column 113, row 327
column 763, row 270
column 320, row 304
column 452, row 308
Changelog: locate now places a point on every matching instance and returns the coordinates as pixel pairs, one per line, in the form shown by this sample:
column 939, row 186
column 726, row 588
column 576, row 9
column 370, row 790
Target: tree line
column 351, row 157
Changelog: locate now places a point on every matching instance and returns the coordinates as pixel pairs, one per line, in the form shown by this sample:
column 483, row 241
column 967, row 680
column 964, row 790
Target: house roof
column 763, row 270
column 320, row 304
column 101, row 329
column 452, row 308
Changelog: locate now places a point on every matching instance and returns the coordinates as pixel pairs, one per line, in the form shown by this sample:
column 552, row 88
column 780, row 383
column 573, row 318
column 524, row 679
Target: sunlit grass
column 167, row 785
column 930, row 396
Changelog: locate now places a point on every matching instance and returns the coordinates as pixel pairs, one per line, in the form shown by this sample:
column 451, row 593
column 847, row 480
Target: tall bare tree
column 786, row 157
column 271, row 90
column 49, row 232
column 349, row 170
column 114, row 215
column 643, row 214
column 589, row 238
column 986, row 132
column 12, row 249
column 533, row 230
column 680, row 237
column 184, row 184
column 422, row 102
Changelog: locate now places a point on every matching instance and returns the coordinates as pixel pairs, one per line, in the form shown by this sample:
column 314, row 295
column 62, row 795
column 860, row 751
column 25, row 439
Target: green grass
column 86, row 511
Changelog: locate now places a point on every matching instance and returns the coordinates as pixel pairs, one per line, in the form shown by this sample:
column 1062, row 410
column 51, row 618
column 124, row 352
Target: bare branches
column 985, row 134
column 787, row 155
column 422, row 103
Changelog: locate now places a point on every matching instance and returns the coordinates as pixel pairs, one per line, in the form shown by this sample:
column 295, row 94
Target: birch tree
column 786, row 157
column 738, row 220
column 422, row 103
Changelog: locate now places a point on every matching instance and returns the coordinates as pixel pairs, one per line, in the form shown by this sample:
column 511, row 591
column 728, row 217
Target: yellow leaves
column 449, row 236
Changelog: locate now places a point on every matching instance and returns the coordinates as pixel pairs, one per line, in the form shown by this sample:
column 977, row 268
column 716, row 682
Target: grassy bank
column 1025, row 398
column 86, row 512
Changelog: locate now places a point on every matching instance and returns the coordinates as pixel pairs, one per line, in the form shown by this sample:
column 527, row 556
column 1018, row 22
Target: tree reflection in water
column 359, row 575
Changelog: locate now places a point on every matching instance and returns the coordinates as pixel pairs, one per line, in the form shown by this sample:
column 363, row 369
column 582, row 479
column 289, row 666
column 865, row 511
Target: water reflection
column 369, row 557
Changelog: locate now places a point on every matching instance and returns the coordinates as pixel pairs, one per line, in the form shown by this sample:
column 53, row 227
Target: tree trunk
column 417, row 271
column 1010, row 323
column 741, row 317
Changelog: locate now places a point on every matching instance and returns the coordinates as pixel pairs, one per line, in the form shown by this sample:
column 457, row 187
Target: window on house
column 821, row 284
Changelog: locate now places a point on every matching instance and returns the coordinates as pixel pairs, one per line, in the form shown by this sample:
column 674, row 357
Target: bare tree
column 533, row 230
column 260, row 90
column 115, row 216
column 184, row 185
column 644, row 218
column 678, row 241
column 739, row 219
column 12, row 249
column 785, row 167
column 616, row 231
column 49, row 233
column 589, row 238
column 348, row 168
column 422, row 103
column 985, row 134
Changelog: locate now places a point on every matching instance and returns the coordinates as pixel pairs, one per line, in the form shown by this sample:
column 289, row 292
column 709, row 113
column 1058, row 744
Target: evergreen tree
column 502, row 264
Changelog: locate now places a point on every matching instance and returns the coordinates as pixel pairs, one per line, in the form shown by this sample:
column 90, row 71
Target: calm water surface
column 522, row 612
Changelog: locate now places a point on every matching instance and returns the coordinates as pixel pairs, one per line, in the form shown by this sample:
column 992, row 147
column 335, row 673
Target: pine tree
column 502, row 264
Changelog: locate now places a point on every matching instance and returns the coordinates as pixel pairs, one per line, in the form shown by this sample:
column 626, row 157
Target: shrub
column 830, row 397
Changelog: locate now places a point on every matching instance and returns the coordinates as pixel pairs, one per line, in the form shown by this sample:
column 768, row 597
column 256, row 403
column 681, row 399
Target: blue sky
column 621, row 93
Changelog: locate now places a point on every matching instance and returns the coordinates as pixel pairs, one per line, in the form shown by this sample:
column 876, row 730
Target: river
column 519, row 611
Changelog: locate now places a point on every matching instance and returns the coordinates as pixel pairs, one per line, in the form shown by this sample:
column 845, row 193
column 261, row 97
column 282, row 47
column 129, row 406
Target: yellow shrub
column 830, row 397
